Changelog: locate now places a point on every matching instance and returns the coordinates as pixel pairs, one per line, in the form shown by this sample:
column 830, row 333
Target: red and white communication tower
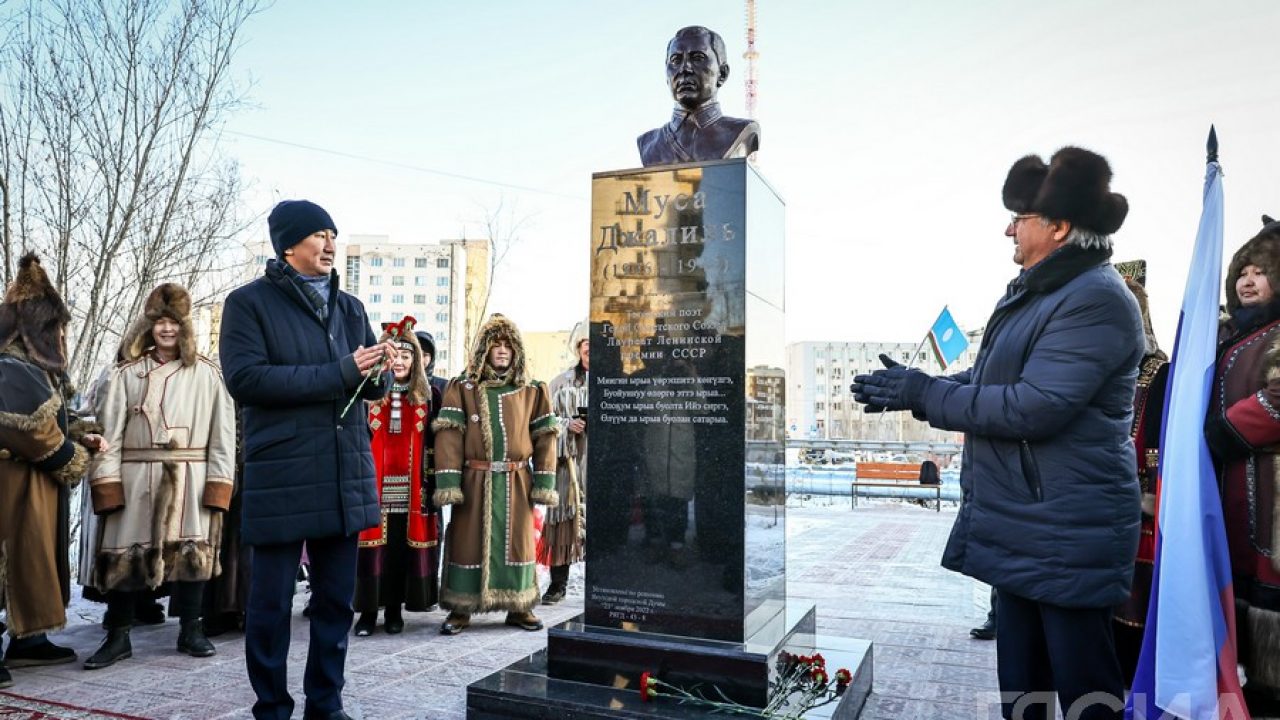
column 751, row 56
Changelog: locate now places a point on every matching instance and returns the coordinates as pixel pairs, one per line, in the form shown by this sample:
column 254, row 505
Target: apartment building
column 820, row 406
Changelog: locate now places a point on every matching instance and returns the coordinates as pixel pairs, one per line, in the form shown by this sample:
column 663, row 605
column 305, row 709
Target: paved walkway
column 872, row 571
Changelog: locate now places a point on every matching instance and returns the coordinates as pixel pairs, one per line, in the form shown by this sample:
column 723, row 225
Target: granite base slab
column 524, row 691
column 742, row 672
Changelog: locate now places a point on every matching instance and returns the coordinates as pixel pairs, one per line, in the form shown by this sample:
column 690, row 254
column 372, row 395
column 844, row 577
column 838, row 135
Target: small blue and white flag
column 947, row 339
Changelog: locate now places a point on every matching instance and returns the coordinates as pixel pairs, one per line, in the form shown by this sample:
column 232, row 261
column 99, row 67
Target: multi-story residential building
column 766, row 396
column 425, row 280
column 818, row 401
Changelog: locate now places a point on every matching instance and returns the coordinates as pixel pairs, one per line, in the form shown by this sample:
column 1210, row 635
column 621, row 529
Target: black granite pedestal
column 686, row 512
column 526, row 691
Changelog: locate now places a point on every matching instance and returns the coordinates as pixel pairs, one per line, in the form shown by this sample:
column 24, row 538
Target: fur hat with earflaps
column 1075, row 186
column 496, row 328
column 33, row 312
column 168, row 300
column 1263, row 251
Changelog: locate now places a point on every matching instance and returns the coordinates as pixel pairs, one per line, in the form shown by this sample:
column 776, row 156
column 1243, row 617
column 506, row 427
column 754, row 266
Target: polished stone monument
column 686, row 515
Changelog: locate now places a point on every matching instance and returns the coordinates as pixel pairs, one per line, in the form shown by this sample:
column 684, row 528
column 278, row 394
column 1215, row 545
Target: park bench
column 892, row 475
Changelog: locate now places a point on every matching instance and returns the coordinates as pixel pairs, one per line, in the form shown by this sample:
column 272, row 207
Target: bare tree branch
column 109, row 168
column 501, row 224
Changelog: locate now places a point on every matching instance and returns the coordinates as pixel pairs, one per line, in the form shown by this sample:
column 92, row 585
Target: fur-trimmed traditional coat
column 489, row 546
column 565, row 528
column 38, row 457
column 166, row 479
column 1246, row 391
column 1245, row 399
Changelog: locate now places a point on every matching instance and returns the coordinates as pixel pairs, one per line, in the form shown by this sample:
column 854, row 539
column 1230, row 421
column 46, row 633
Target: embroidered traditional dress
column 495, row 457
column 1243, row 432
column 565, row 528
column 396, row 563
column 487, row 434
column 1148, row 408
column 1246, row 392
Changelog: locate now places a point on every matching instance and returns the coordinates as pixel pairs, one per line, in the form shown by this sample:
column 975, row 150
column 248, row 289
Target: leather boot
column 36, row 651
column 191, row 640
column 986, row 632
column 455, row 623
column 524, row 620
column 559, row 585
column 6, row 680
column 394, row 622
column 112, row 650
column 366, row 623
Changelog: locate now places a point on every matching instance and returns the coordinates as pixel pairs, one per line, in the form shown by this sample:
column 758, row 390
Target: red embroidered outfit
column 1243, row 432
column 397, row 557
column 1148, row 409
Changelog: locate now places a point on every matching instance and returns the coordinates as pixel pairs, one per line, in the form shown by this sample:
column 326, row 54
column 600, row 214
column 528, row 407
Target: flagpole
column 1187, row 665
column 916, row 353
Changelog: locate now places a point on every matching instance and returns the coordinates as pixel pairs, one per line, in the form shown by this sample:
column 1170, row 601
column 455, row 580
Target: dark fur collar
column 1246, row 319
column 1062, row 266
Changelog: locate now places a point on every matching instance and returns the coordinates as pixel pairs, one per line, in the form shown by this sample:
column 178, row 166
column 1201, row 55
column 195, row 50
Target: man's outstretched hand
column 896, row 387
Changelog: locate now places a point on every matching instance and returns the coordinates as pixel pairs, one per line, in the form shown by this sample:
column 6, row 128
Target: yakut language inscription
column 644, row 401
column 669, row 399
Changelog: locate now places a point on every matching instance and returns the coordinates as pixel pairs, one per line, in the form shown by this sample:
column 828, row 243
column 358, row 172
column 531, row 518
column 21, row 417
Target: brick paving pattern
column 873, row 573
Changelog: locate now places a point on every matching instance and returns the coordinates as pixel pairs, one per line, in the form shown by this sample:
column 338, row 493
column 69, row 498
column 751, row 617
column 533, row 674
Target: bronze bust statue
column 696, row 69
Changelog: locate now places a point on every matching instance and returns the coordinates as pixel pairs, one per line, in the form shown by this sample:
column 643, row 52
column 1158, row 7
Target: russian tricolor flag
column 1187, row 668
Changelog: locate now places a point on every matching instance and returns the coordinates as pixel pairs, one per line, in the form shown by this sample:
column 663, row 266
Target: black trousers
column 184, row 601
column 268, row 624
column 1043, row 650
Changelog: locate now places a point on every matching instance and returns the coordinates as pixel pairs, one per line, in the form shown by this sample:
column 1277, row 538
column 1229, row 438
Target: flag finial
column 1212, row 145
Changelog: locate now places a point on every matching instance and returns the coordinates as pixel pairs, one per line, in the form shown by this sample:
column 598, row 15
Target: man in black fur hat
column 1051, row 499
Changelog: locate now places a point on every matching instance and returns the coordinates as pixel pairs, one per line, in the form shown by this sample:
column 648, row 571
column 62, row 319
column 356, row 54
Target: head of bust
column 696, row 66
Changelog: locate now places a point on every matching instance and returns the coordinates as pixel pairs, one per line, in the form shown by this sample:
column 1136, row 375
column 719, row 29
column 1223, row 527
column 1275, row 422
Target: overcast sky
column 887, row 127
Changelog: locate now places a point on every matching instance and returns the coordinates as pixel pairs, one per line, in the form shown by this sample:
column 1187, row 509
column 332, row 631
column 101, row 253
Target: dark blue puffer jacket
column 1051, row 501
column 308, row 473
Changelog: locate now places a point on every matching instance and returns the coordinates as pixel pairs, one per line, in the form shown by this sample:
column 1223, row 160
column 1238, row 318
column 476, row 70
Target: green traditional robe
column 489, row 544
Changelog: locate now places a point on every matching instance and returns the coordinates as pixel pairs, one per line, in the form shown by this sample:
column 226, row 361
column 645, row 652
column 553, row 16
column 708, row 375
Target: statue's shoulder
column 654, row 148
column 648, row 138
column 740, row 124
column 742, row 135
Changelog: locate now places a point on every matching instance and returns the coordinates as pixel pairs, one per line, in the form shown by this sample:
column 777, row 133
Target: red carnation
column 648, row 686
column 818, row 660
column 843, row 677
column 819, row 675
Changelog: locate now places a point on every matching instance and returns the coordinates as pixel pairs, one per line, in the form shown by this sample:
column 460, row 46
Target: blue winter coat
column 308, row 473
column 1051, row 500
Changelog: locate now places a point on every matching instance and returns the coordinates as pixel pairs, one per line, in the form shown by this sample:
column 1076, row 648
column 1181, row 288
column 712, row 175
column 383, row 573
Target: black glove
column 1223, row 440
column 897, row 387
column 859, row 390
